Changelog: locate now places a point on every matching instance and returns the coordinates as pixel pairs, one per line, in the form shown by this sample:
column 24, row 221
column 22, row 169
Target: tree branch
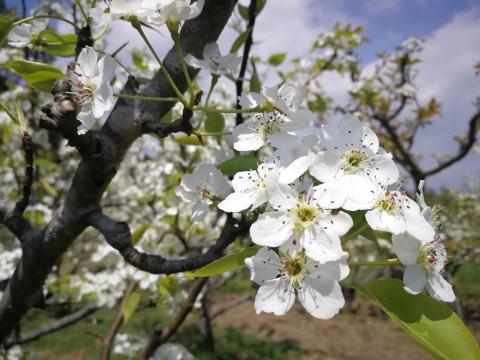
column 118, row 235
column 252, row 14
column 52, row 326
column 160, row 336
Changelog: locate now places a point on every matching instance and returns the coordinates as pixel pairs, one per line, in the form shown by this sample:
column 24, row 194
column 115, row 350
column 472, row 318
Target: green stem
column 4, row 108
column 138, row 27
column 388, row 262
column 115, row 59
column 210, row 91
column 355, row 233
column 84, row 14
column 148, row 98
column 178, row 47
column 214, row 134
column 30, row 18
column 227, row 111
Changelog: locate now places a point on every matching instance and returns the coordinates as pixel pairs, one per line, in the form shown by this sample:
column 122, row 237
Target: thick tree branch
column 102, row 153
column 118, row 235
column 252, row 14
column 27, row 145
column 52, row 326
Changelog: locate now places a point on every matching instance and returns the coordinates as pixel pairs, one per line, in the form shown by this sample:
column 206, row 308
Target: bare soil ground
column 366, row 335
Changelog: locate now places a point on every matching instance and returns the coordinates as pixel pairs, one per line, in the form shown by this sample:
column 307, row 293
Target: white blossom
column 214, row 61
column 90, row 87
column 353, row 163
column 179, row 10
column 277, row 126
column 302, row 221
column 202, row 187
column 284, row 275
column 26, row 34
column 424, row 264
column 395, row 212
column 250, row 188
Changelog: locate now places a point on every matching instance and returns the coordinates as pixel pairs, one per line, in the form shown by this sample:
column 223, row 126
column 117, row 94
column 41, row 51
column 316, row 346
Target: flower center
column 206, row 194
column 83, row 92
column 353, row 161
column 387, row 203
column 294, row 268
column 305, row 215
column 433, row 255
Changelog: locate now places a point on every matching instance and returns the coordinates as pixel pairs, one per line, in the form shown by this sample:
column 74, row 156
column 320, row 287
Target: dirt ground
column 362, row 336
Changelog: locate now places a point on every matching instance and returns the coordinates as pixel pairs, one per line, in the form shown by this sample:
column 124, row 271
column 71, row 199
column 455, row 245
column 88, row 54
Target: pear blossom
column 202, row 187
column 395, row 212
column 26, row 34
column 284, row 275
column 214, row 61
column 145, row 10
column 90, row 87
column 424, row 263
column 302, row 221
column 354, row 163
column 278, row 126
column 250, row 188
column 179, row 10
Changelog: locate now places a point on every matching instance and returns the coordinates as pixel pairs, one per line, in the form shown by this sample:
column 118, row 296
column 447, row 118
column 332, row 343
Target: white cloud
column 447, row 74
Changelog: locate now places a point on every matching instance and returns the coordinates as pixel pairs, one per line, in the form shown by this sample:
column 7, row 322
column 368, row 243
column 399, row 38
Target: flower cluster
column 303, row 195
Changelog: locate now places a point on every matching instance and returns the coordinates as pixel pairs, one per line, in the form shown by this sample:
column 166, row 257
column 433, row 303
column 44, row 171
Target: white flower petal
column 282, row 196
column 439, row 288
column 321, row 246
column 199, row 211
column 296, row 169
column 246, row 139
column 322, row 297
column 275, row 296
column 419, row 228
column 414, row 279
column 238, row 201
column 406, row 248
column 272, row 229
column 265, row 265
column 326, row 166
column 329, row 195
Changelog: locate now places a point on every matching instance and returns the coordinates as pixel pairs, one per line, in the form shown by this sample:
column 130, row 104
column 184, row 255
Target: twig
column 117, row 323
column 52, row 326
column 230, row 305
column 252, row 14
column 160, row 336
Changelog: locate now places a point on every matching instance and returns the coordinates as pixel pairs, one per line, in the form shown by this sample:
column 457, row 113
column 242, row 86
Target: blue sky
column 452, row 32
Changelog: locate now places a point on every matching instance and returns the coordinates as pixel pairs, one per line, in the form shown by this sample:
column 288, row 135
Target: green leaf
column 58, row 45
column 215, row 122
column 239, row 163
column 243, row 10
column 139, row 61
column 138, row 233
column 232, row 261
column 185, row 139
column 40, row 76
column 431, row 324
column 130, row 306
column 240, row 41
column 277, row 59
column 255, row 84
column 6, row 23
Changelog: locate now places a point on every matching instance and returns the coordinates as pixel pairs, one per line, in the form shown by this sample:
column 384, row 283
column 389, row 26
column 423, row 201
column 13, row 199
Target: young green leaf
column 239, row 163
column 215, row 122
column 131, row 305
column 431, row 324
column 57, row 45
column 40, row 76
column 237, row 44
column 138, row 233
column 229, row 262
column 6, row 22
column 277, row 59
column 255, row 84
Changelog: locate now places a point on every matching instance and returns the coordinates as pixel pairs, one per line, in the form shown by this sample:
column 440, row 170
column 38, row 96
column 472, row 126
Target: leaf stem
column 227, row 111
column 210, row 91
column 136, row 24
column 30, row 18
column 148, row 98
column 82, row 10
column 355, row 233
column 181, row 57
column 388, row 262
